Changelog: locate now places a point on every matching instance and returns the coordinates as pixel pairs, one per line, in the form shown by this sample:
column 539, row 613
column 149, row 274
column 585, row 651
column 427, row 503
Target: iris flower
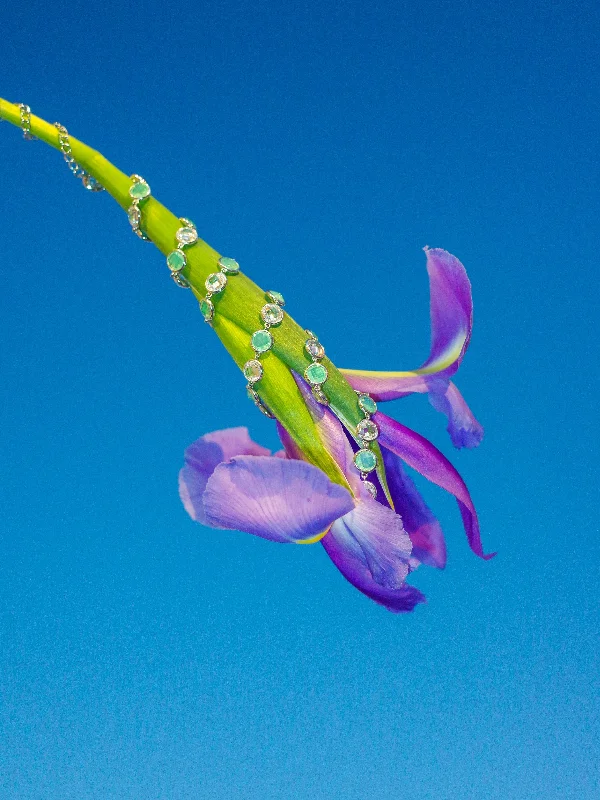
column 311, row 492
column 228, row 481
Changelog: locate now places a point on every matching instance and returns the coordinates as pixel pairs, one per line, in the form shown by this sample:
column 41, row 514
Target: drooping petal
column 464, row 429
column 344, row 546
column 375, row 536
column 202, row 457
column 451, row 310
column 276, row 498
column 421, row 525
column 421, row 455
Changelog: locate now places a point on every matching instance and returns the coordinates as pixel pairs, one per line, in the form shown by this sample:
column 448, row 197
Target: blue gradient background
column 143, row 657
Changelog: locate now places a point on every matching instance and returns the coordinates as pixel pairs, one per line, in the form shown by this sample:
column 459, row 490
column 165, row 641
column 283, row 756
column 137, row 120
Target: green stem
column 240, row 304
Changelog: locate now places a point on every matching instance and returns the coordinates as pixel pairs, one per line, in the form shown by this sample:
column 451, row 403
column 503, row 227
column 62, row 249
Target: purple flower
column 231, row 482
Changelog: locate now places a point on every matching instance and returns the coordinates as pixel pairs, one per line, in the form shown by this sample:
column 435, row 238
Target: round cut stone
column 215, row 283
column 314, row 349
column 262, row 341
column 371, row 488
column 367, row 430
column 139, row 190
column 315, row 374
column 367, row 404
column 365, row 460
column 176, row 260
column 207, row 309
column 276, row 297
column 230, row 265
column 186, row 235
column 271, row 314
column 253, row 370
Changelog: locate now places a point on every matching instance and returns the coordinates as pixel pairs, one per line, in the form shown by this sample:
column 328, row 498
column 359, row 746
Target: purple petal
column 276, row 498
column 201, row 459
column 375, row 536
column 463, row 428
column 421, row 455
column 423, row 528
column 347, row 553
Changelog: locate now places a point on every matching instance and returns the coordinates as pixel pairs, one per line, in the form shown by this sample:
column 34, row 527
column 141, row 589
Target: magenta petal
column 276, row 498
column 201, row 459
column 351, row 562
column 421, row 455
column 423, row 528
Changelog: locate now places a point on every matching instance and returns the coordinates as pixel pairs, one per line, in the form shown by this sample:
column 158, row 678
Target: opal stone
column 176, row 260
column 365, row 460
column 315, row 374
column 186, row 235
column 230, row 265
column 367, row 404
column 262, row 341
column 139, row 190
column 314, row 349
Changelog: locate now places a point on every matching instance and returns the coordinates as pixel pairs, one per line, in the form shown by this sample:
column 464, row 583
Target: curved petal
column 423, row 528
column 421, row 455
column 202, row 457
column 350, row 558
column 451, row 309
column 276, row 498
column 375, row 536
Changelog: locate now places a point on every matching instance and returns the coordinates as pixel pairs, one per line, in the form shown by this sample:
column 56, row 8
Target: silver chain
column 26, row 122
column 90, row 183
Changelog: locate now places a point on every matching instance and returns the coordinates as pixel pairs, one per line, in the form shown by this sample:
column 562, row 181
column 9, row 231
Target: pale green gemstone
column 215, row 283
column 176, row 260
column 262, row 341
column 315, row 374
column 276, row 297
column 368, row 405
column 253, row 370
column 230, row 265
column 207, row 309
column 365, row 460
column 271, row 314
column 367, row 430
column 139, row 190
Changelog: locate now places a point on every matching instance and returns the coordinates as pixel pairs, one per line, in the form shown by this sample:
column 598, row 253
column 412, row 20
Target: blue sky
column 143, row 657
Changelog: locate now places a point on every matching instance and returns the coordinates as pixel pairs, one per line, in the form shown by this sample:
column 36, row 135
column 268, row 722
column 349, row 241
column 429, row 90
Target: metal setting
column 366, row 432
column 89, row 182
column 316, row 352
column 134, row 212
column 26, row 122
column 261, row 342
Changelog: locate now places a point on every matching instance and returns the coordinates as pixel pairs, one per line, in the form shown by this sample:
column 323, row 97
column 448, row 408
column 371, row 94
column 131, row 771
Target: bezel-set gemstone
column 215, row 282
column 253, row 370
column 180, row 280
column 367, row 404
column 276, row 297
column 229, row 265
column 365, row 460
column 176, row 260
column 91, row 184
column 255, row 397
column 186, row 235
column 371, row 488
column 316, row 374
column 271, row 314
column 207, row 309
column 139, row 190
column 367, row 430
column 314, row 349
column 320, row 396
column 261, row 341
column 134, row 215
